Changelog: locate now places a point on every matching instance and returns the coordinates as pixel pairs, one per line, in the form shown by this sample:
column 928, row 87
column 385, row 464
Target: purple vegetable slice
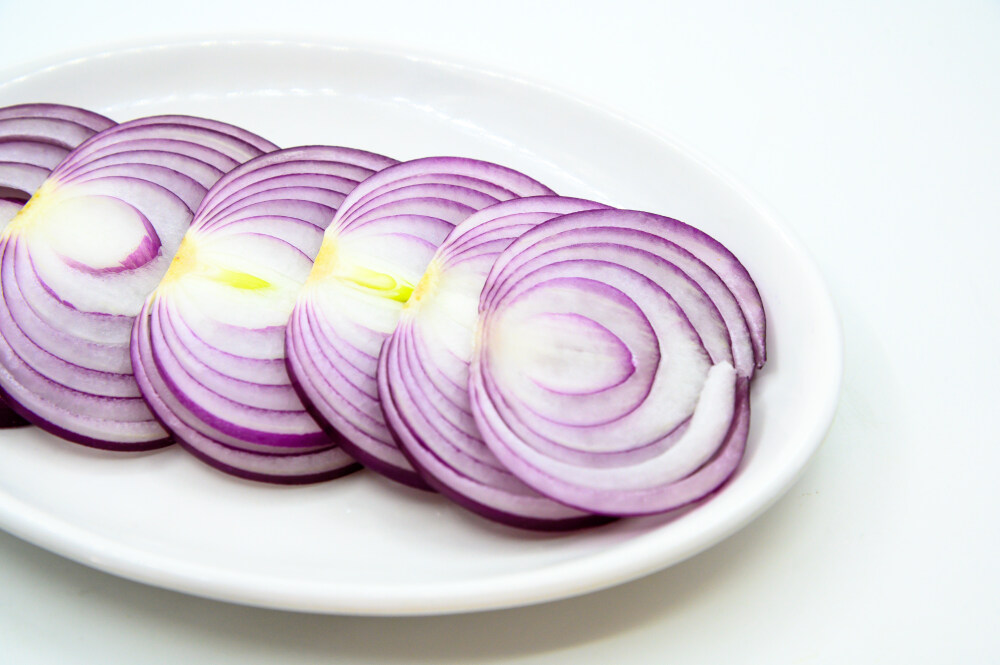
column 208, row 346
column 373, row 254
column 603, row 370
column 424, row 371
column 34, row 138
column 77, row 262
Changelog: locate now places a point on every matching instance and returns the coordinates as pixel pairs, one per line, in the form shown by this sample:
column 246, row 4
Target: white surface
column 359, row 545
column 872, row 129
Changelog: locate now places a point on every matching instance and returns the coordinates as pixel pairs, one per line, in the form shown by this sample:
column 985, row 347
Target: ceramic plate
column 362, row 545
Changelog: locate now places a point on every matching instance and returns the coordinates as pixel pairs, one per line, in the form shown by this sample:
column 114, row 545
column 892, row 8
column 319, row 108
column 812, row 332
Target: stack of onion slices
column 452, row 324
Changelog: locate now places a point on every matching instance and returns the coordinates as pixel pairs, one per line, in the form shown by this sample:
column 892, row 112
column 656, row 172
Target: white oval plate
column 362, row 545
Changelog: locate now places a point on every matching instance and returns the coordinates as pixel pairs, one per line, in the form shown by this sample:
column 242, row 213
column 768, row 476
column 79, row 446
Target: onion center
column 334, row 263
column 567, row 353
column 127, row 242
column 189, row 261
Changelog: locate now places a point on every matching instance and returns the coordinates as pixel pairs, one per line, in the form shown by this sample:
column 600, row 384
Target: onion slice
column 373, row 254
column 424, row 371
column 603, row 369
column 77, row 262
column 34, row 138
column 208, row 347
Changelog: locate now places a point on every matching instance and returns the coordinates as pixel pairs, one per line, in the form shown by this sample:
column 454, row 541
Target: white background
column 874, row 130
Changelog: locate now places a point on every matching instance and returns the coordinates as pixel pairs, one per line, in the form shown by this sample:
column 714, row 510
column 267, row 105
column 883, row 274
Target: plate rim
column 538, row 585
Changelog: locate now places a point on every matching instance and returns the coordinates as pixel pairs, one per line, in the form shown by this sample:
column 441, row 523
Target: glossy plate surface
column 361, row 545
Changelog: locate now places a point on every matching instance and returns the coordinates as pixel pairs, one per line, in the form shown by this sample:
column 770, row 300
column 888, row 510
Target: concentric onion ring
column 603, row 374
column 208, row 347
column 424, row 371
column 77, row 262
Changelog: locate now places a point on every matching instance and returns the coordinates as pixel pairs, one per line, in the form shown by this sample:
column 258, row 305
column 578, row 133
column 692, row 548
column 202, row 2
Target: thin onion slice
column 424, row 371
column 603, row 369
column 373, row 254
column 77, row 262
column 208, row 347
column 34, row 138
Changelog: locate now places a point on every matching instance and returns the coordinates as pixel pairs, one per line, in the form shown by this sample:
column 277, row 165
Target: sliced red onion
column 79, row 259
column 424, row 371
column 603, row 369
column 373, row 253
column 208, row 347
column 34, row 138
